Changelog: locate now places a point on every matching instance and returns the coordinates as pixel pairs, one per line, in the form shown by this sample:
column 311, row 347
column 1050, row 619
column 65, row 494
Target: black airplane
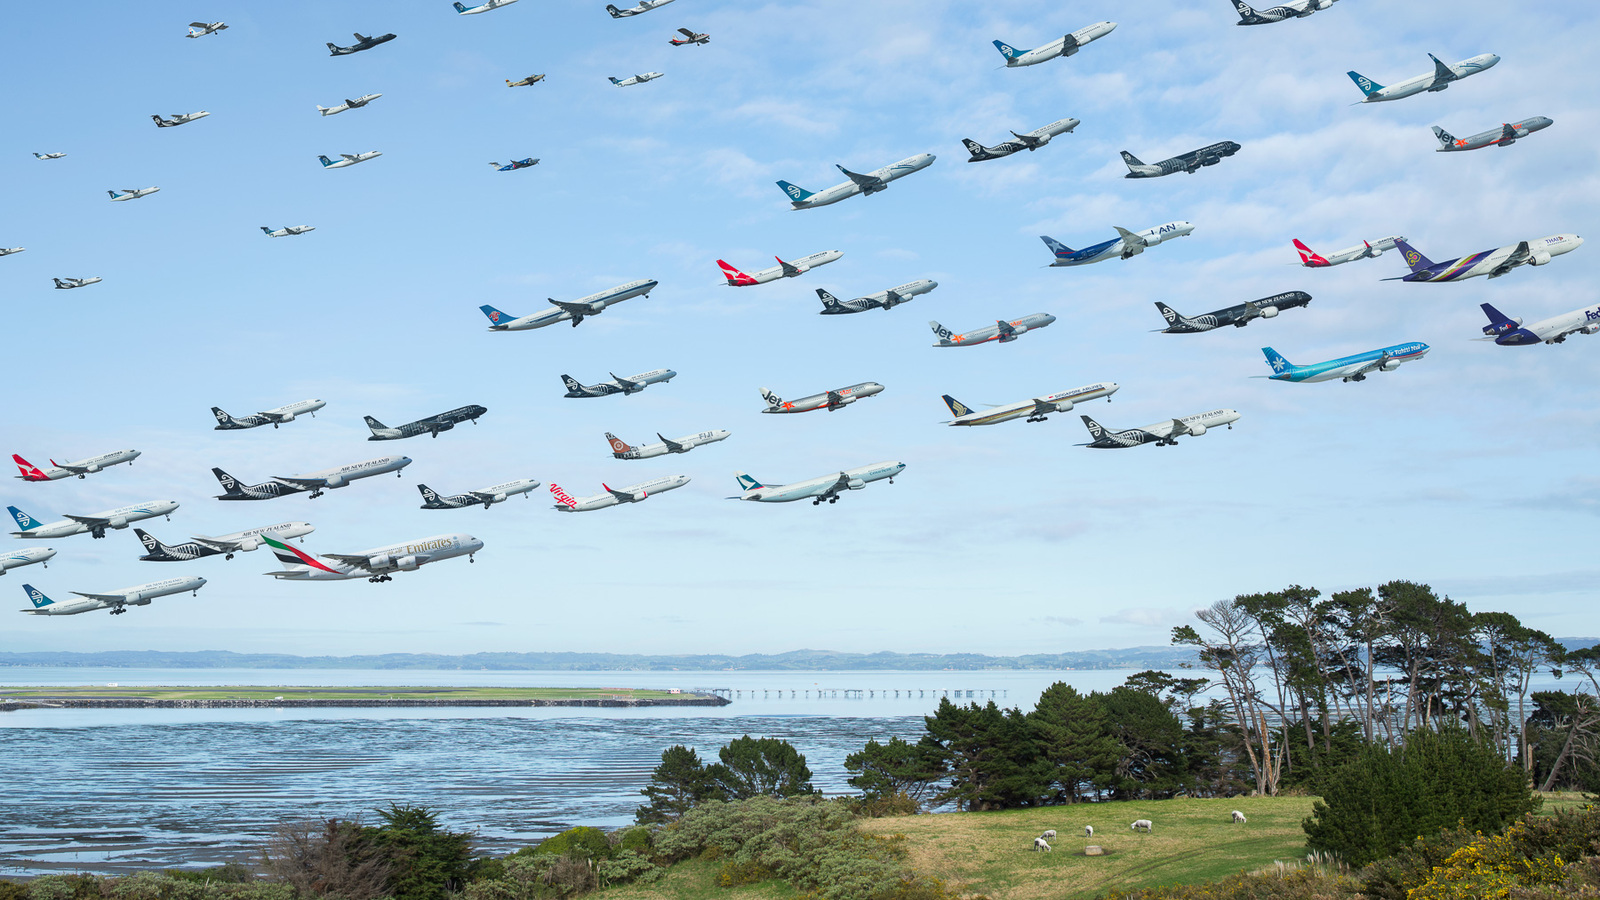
column 1237, row 316
column 432, row 425
column 362, row 43
column 1184, row 162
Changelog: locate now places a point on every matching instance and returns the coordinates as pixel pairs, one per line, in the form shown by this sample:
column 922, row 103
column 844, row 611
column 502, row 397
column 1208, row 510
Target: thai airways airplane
column 64, row 284
column 615, row 496
column 617, row 385
column 569, row 310
column 1002, row 331
column 1368, row 250
column 26, row 556
column 95, row 524
column 132, row 193
column 1033, row 140
column 462, row 10
column 373, row 565
column 829, row 400
column 643, row 7
column 288, row 230
column 179, row 119
column 1504, row 136
column 1295, row 9
column 783, row 269
column 622, row 450
column 80, row 468
column 201, row 546
column 488, row 496
column 1067, row 46
column 828, row 487
column 275, row 417
column 315, row 482
column 347, row 159
column 1036, row 409
column 430, row 426
column 1492, row 263
column 1509, row 332
column 884, row 300
column 357, row 103
column 1162, row 434
column 1438, row 80
column 1347, row 368
column 117, row 601
column 1238, row 316
column 1125, row 245
column 868, row 184
column 1190, row 162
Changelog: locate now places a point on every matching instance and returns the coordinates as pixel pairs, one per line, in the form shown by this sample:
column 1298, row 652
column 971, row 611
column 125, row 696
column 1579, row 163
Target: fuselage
column 337, row 477
column 826, row 486
column 348, row 159
column 357, row 103
column 362, row 43
column 615, row 497
column 115, row 600
column 1421, row 83
column 784, row 269
column 1161, row 433
column 132, row 193
column 886, row 299
column 201, row 546
column 1492, row 262
column 1238, row 316
column 374, row 563
column 485, row 497
column 1449, row 143
column 801, row 199
column 643, row 7
column 95, row 524
column 596, row 302
column 464, row 10
column 641, row 78
column 1031, row 140
column 621, row 450
column 1295, row 9
column 1117, row 246
column 79, row 467
column 1348, row 368
column 1015, row 329
column 1060, row 402
column 1065, row 46
column 1554, row 330
column 432, row 425
column 25, row 556
column 69, row 283
column 829, row 400
column 1184, row 162
column 273, row 417
column 1368, row 250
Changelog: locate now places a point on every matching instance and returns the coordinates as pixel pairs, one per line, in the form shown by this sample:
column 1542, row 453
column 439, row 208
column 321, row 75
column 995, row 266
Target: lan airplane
column 1067, row 46
column 569, row 310
column 828, row 400
column 117, row 601
column 1295, row 9
column 280, row 416
column 357, row 103
column 132, row 193
column 179, row 119
column 1125, row 245
column 1002, row 331
column 1036, row 409
column 884, row 300
column 1504, row 136
column 1033, row 140
column 617, row 385
column 1492, row 263
column 868, row 184
column 80, row 467
column 1238, row 316
column 615, row 496
column 783, row 269
column 288, row 230
column 463, row 10
column 373, row 565
column 828, row 487
column 1509, row 332
column 1346, row 368
column 1162, row 434
column 26, row 556
column 1190, row 162
column 95, row 525
column 348, row 159
column 1438, row 80
column 488, row 496
column 1368, row 250
column 430, row 426
column 201, row 546
column 315, row 482
column 621, row 450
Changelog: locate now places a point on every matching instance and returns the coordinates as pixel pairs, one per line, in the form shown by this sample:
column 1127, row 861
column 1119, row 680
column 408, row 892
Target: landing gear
column 377, row 578
column 315, row 494
column 118, row 611
column 229, row 556
column 98, row 533
column 833, row 499
column 470, row 559
column 1037, row 419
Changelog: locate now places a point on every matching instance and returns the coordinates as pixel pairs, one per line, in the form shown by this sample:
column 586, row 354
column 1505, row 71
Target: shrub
column 1532, row 854
column 583, row 841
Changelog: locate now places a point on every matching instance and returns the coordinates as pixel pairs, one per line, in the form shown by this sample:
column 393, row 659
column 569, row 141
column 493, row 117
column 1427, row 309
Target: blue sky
column 1472, row 470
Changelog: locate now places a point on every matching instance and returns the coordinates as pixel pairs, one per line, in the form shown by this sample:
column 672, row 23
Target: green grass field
column 269, row 692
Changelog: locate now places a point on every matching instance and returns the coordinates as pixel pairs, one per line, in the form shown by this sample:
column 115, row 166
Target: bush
column 1533, row 854
column 1287, row 883
column 884, row 806
column 583, row 841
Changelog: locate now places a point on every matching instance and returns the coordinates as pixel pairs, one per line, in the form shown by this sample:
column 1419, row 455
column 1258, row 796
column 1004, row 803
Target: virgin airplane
column 569, row 310
column 373, row 565
column 828, row 487
column 616, row 496
column 783, row 269
column 117, row 601
column 868, row 184
column 80, row 468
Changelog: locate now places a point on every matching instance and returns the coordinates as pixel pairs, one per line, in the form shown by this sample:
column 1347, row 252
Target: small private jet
column 179, row 119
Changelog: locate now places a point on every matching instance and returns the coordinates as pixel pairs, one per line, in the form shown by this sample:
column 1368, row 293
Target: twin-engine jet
column 1368, row 250
column 179, row 119
column 488, row 5
column 868, row 184
column 828, row 487
column 1295, row 9
column 315, row 482
column 643, row 7
column 67, row 284
column 615, row 496
column 783, row 269
column 1162, row 434
column 80, row 468
column 226, row 545
column 569, row 310
column 1125, row 245
column 641, row 78
column 1504, row 136
column 828, row 400
column 1036, row 410
column 531, row 79
column 26, row 556
column 117, row 601
column 430, row 426
column 485, row 497
column 362, row 43
column 373, row 565
column 1033, row 140
column 275, row 417
column 357, row 103
column 1492, row 263
column 617, row 385
column 515, row 164
column 348, row 159
column 1437, row 81
column 288, row 230
column 1067, row 46
column 1190, row 162
column 201, row 29
column 1002, row 331
column 689, row 37
column 95, row 525
column 1346, row 368
column 884, row 300
column 48, row 155
column 1509, row 332
column 132, row 193
column 621, row 450
column 1238, row 316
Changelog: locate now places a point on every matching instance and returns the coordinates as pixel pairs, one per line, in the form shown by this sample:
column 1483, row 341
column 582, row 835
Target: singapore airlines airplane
column 1437, row 80
column 615, row 496
column 201, row 546
column 622, row 450
column 868, row 184
column 280, row 416
column 117, row 601
column 315, row 482
column 828, row 487
column 80, row 468
column 569, row 310
column 884, row 300
column 1067, row 46
column 498, row 493
column 26, row 556
column 1036, row 409
column 828, row 400
column 375, row 564
column 783, row 269
column 95, row 525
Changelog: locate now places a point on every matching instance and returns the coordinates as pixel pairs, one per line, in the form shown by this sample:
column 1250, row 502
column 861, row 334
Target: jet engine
column 497, row 498
column 118, row 522
column 1043, row 139
column 855, row 484
column 381, row 561
column 1017, row 331
column 407, row 563
column 1389, row 365
column 1197, row 429
column 842, row 401
column 1375, row 252
column 1591, row 328
column 1539, row 258
column 1502, row 327
column 335, row 481
column 1268, row 312
column 250, row 543
column 94, row 467
column 287, row 417
column 137, row 600
column 1062, row 405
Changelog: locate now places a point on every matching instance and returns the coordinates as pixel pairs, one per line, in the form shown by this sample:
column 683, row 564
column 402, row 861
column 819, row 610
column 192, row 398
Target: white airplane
column 95, row 524
column 689, row 37
column 643, row 7
column 288, row 230
column 226, row 545
column 357, row 103
column 276, row 417
column 1437, row 80
column 498, row 493
column 1162, row 434
column 868, row 184
column 636, row 79
column 1293, row 9
column 828, row 487
column 617, row 385
column 829, row 400
column 1036, row 409
column 783, row 269
column 375, row 564
column 884, row 300
column 7, row 251
column 48, row 155
column 1509, row 332
column 80, row 468
column 67, row 284
column 1493, row 263
column 1125, row 245
column 179, row 119
column 569, row 310
column 621, row 450
column 117, row 601
column 26, row 556
column 132, row 193
column 348, row 159
column 615, row 496
column 1067, row 46
column 1368, row 250
column 201, row 29
column 462, row 10
column 328, row 479
column 1031, row 141
column 1002, row 331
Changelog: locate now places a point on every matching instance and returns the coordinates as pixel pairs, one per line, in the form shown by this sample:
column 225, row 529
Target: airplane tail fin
column 613, row 80
column 459, row 7
column 617, row 444
column 1413, row 257
column 957, row 408
column 1172, row 316
column 1130, row 159
column 977, row 150
column 615, row 13
column 496, row 317
column 111, row 194
column 29, row 470
column 1445, row 137
column 429, row 495
column 24, row 521
column 940, row 332
column 829, row 301
column 1008, row 51
column 1276, row 360
column 1245, row 12
column 326, row 161
column 746, row 483
column 1055, row 246
column 332, row 46
column 36, row 596
column 734, row 276
column 223, row 419
column 375, row 425
column 1308, row 256
column 230, row 485
column 155, row 551
column 1367, row 85
column 1499, row 322
column 1096, row 430
column 268, row 231
column 796, row 193
column 773, row 400
column 572, row 384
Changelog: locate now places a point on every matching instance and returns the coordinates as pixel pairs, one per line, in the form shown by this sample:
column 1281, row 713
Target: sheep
column 1039, row 844
column 1088, row 831
column 1050, row 833
column 1141, row 825
column 1238, row 817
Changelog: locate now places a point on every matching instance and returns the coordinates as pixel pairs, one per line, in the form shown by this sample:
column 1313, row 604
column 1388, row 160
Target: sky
column 1472, row 470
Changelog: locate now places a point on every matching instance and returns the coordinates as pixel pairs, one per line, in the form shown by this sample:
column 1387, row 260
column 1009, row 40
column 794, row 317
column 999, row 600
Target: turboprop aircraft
column 1440, row 79
column 280, row 416
column 357, row 103
column 25, row 556
column 117, row 601
column 1067, row 46
column 643, row 7
column 201, row 546
column 615, row 496
column 1033, row 140
column 867, row 185
column 288, row 230
column 828, row 487
column 617, row 385
column 1184, row 162
column 515, row 164
column 1238, row 316
column 783, row 269
column 362, row 43
column 80, row 468
column 641, row 78
column 1002, row 331
column 179, row 119
column 884, row 300
column 48, row 155
column 7, row 251
column 1504, row 136
column 315, row 482
column 486, row 6
column 373, row 565
column 689, row 37
column 531, row 79
column 1037, row 409
column 67, row 284
column 430, row 426
column 1492, row 263
column 1162, row 434
column 569, row 310
column 1346, row 368
column 620, row 450
column 829, row 400
column 348, row 159
column 1294, row 9
column 201, row 29
column 1125, row 245
column 1368, row 250
column 95, row 525
column 1509, row 332
column 132, row 193
column 431, row 499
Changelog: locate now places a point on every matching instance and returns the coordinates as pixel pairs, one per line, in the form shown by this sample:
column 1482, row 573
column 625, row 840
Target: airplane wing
column 577, row 309
column 1028, row 140
column 1441, row 72
column 347, row 156
column 789, row 270
column 1374, row 366
column 273, row 416
column 843, row 483
column 686, row 33
column 624, row 383
column 890, row 298
column 865, row 182
column 199, row 24
column 1004, row 327
column 299, row 482
column 1508, row 135
column 214, row 544
column 360, row 562
column 361, row 37
column 481, row 496
column 1132, row 244
column 1518, row 257
column 672, row 446
column 69, row 467
column 834, row 400
column 1042, row 408
column 88, row 520
column 620, row 495
column 107, row 598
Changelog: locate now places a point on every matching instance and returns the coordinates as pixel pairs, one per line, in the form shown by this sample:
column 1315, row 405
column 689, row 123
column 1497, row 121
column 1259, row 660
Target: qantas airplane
column 884, row 300
column 1492, row 263
column 569, row 310
column 26, row 556
column 828, row 487
column 275, row 417
column 622, row 450
column 1001, row 331
column 80, row 468
column 95, row 525
column 1509, row 332
column 430, row 426
column 201, row 546
column 1125, row 245
column 868, row 184
column 829, row 400
column 1033, row 140
column 488, row 496
column 373, row 565
column 1438, row 80
column 1238, row 316
column 315, row 482
column 1347, row 368
column 1368, row 250
column 1162, row 434
column 1067, row 46
column 117, row 601
column 617, row 385
column 783, row 269
column 1036, row 409
column 615, row 496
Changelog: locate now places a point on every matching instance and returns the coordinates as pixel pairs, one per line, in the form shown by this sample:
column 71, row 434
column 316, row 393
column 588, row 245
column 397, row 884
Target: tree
column 1150, row 740
column 676, row 786
column 992, row 756
column 897, row 767
column 427, row 862
column 331, row 856
column 1075, row 738
column 761, row 767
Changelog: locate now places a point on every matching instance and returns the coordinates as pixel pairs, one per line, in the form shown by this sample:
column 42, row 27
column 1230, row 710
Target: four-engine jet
column 828, row 487
column 621, row 450
column 1368, row 250
column 1067, row 46
column 1437, row 81
column 357, row 103
column 531, row 79
column 1492, row 263
column 348, row 159
column 1506, row 135
column 641, row 78
column 315, row 482
column 373, row 565
column 515, row 164
column 1347, row 368
column 132, row 193
column 565, row 310
column 1184, row 162
column 430, row 426
column 179, row 119
column 498, row 493
column 48, row 155
column 201, row 29
column 1002, row 331
column 226, row 545
column 117, row 601
column 783, row 269
column 617, row 385
column 288, row 230
column 486, row 6
column 67, row 284
column 1125, row 245
column 643, row 7
column 1162, row 434
column 1033, row 140
column 362, row 43
column 1294, row 9
column 1509, row 332
column 884, row 300
column 689, row 37
column 615, row 496
column 26, row 556
column 95, row 525
column 275, row 417
column 80, row 468
column 868, row 184
column 829, row 400
column 1238, row 316
column 1037, row 409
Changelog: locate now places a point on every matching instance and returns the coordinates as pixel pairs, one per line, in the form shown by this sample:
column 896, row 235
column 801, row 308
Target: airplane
column 1162, row 434
column 1126, row 244
column 1493, row 263
column 1036, row 409
column 80, row 468
column 48, row 155
column 201, row 546
column 616, row 385
column 1003, row 331
column 95, row 525
column 574, row 310
column 1067, row 46
column 26, row 556
column 615, row 496
column 315, row 482
column 288, row 230
column 7, row 251
column 205, row 28
column 515, row 164
column 132, row 193
column 373, row 565
column 1509, row 332
column 1368, row 250
column 362, row 43
column 67, row 284
column 1238, row 316
column 884, row 300
column 486, row 496
column 348, row 159
column 643, row 7
column 486, row 6
column 357, row 103
column 829, row 400
column 641, row 78
column 689, row 37
column 866, row 185
column 117, row 601
column 1347, row 368
column 179, row 119
column 620, row 450
column 828, row 487
column 1294, row 9
column 430, row 426
column 279, row 416
column 1033, row 140
column 1438, row 80
column 1504, row 136
column 531, row 79
column 783, row 269
column 1184, row 162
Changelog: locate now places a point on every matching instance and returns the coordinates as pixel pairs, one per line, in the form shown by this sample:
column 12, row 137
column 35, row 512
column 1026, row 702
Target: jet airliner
column 1438, row 80
column 1036, row 410
column 1238, row 316
column 1125, row 245
column 1347, row 368
column 1504, row 136
column 1190, row 162
column 488, row 496
column 617, row 385
column 95, row 525
column 275, row 417
column 431, row 426
column 828, row 400
column 226, row 545
column 1294, row 9
column 117, row 600
column 80, row 467
column 572, row 311
column 1509, row 332
column 621, row 450
column 615, row 496
column 868, row 184
column 1368, row 250
column 376, row 564
column 25, row 556
column 1066, row 46
column 1162, row 434
column 1002, row 331
column 736, row 278
column 884, row 300
column 1492, row 263
column 1033, row 140
column 315, row 482
column 827, row 487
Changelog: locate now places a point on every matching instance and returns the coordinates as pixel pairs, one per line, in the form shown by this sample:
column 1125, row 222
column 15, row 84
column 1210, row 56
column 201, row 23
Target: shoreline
column 348, row 703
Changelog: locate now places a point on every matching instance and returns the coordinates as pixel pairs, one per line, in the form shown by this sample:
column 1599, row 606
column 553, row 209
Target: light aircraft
column 829, row 400
column 80, row 468
column 641, row 78
column 7, row 251
column 275, row 417
column 485, row 496
column 362, row 43
column 689, row 37
column 1184, row 162
column 1036, row 409
column 179, row 119
column 357, row 103
column 617, row 385
column 1438, row 80
column 132, row 193
column 95, row 525
column 26, row 556
column 315, row 482
column 884, row 300
column 1504, row 136
column 643, row 7
column 574, row 310
column 288, row 230
column 1492, row 263
column 616, row 496
column 1294, row 9
column 1368, row 250
column 48, row 155
column 1238, row 316
column 828, row 487
column 373, row 565
column 1125, row 245
column 201, row 546
column 201, row 29
column 1162, row 434
column 486, row 6
column 866, row 185
column 1509, row 332
column 1067, row 46
column 117, row 601
column 67, row 284
column 1347, row 368
column 531, row 79
column 783, row 269
column 620, row 450
column 1033, row 140
column 1003, row 331
column 515, row 164
column 347, row 159
column 430, row 426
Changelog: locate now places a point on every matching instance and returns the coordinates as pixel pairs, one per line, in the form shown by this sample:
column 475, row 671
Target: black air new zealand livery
column 1237, row 316
column 201, row 546
column 1184, row 162
column 432, row 425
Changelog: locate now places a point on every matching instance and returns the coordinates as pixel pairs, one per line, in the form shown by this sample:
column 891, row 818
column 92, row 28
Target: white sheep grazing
column 1039, row 844
column 1141, row 825
column 1049, row 834
column 1088, row 831
column 1238, row 817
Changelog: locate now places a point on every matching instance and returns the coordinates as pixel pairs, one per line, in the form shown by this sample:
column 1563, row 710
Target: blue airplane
column 1125, row 245
column 1349, row 368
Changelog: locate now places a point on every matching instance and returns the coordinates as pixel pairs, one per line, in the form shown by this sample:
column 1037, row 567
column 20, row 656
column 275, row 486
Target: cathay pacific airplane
column 828, row 400
column 1347, row 368
column 783, row 269
column 569, row 310
column 95, row 525
column 315, row 482
column 488, row 496
column 281, row 415
column 80, row 468
column 828, row 487
column 868, row 184
column 1001, row 331
column 26, row 556
column 1162, row 434
column 201, row 546
column 1036, row 409
column 884, row 300
column 1067, row 46
column 1492, row 263
column 1126, row 244
column 621, row 450
column 373, row 565
column 117, row 601
column 1437, row 80
column 1509, row 332
column 615, row 496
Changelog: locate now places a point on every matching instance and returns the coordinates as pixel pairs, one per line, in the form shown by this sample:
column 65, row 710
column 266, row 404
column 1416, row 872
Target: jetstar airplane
column 347, row 159
column 95, row 525
column 431, row 499
column 462, row 10
column 1162, row 434
column 1346, row 368
column 829, row 400
column 80, row 468
column 571, row 310
column 1067, row 46
column 357, row 103
column 1437, row 81
column 515, row 164
column 620, row 450
column 1033, row 140
column 280, row 416
column 132, row 193
column 117, row 601
column 641, row 78
column 48, row 155
column 1504, row 136
column 1125, row 245
column 1184, row 162
column 689, row 37
column 1037, row 409
column 201, row 546
column 531, row 79
column 1002, row 331
column 1509, row 332
column 643, row 7
column 867, row 185
column 201, row 29
column 373, row 565
column 1492, row 263
column 617, row 385
column 315, row 482
column 430, row 426
column 7, row 251
column 27, row 556
column 884, row 300
column 828, row 487
column 362, row 43
column 1238, row 316
column 1295, row 9
column 179, row 119
column 1368, row 250
column 615, row 496
column 288, row 230
column 67, row 284
column 783, row 269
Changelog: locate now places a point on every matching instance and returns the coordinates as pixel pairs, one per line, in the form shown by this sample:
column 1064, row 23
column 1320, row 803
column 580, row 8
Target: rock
column 1093, row 850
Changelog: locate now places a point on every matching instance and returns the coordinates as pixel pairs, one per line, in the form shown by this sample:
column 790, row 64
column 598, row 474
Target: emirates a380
column 376, row 564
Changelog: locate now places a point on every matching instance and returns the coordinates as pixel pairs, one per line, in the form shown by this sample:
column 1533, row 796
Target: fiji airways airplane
column 201, row 546
column 1125, row 245
column 1509, row 332
column 117, row 601
column 95, row 525
column 828, row 487
column 615, row 496
column 1036, row 409
column 80, row 468
column 783, row 269
column 573, row 310
column 867, row 184
column 27, row 556
column 1067, row 46
column 1347, row 368
column 1492, row 263
column 621, row 450
column 373, row 565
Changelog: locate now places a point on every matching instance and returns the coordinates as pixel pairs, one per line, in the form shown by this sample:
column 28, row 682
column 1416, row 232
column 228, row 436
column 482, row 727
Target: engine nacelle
column 1197, row 429
column 94, row 467
column 497, row 498
column 381, row 561
column 1500, row 328
column 335, row 481
column 844, row 401
column 1540, row 257
column 1268, row 312
column 801, row 269
column 407, row 563
column 1591, row 328
column 287, row 417
column 1376, row 252
column 855, row 484
column 1043, row 139
column 137, row 600
column 1389, row 365
column 1062, row 405
column 118, row 522
column 249, row 544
